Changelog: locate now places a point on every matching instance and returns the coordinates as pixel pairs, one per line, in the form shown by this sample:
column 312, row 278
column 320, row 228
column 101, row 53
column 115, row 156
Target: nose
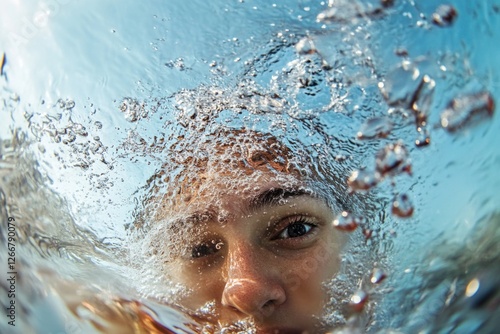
column 253, row 285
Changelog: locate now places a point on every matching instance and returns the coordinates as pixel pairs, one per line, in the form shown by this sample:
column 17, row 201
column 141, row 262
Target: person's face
column 259, row 255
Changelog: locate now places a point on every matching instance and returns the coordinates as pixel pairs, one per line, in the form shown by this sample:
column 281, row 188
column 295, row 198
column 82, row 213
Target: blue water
column 73, row 166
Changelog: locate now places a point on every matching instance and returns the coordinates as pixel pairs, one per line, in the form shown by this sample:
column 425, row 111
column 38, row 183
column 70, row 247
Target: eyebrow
column 273, row 197
column 267, row 198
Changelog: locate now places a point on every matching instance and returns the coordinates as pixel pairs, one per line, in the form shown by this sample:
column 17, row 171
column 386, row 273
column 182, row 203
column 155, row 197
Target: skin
column 264, row 261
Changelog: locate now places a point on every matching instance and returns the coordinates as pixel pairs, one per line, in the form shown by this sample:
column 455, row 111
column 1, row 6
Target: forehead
column 243, row 193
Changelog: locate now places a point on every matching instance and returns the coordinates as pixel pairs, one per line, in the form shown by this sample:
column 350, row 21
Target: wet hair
column 230, row 155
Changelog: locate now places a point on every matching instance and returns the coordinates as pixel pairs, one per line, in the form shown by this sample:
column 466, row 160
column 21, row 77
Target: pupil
column 296, row 230
column 202, row 250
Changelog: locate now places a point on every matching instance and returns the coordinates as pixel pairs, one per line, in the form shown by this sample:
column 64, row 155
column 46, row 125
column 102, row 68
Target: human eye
column 206, row 249
column 296, row 227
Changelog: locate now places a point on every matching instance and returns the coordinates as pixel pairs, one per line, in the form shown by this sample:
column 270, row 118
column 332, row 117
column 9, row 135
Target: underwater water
column 392, row 102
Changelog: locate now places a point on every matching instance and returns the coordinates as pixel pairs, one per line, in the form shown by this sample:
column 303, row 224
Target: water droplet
column 402, row 206
column 362, row 180
column 467, row 109
column 358, row 300
column 378, row 127
column 377, row 276
column 444, row 15
column 346, row 222
column 392, row 160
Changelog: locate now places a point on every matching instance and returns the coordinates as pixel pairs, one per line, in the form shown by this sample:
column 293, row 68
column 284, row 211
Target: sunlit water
column 396, row 99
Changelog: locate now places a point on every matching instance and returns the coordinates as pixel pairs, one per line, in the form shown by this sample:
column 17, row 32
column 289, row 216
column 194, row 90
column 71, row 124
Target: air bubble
column 422, row 100
column 400, row 85
column 346, row 222
column 79, row 129
column 358, row 300
column 41, row 148
column 444, row 15
column 392, row 160
column 305, row 46
column 401, row 52
column 472, row 287
column 367, row 233
column 377, row 276
column 71, row 138
column 402, row 206
column 347, row 11
column 132, row 109
column 341, row 158
column 15, row 97
column 362, row 180
column 176, row 64
column 423, row 138
column 66, row 105
column 378, row 127
column 466, row 109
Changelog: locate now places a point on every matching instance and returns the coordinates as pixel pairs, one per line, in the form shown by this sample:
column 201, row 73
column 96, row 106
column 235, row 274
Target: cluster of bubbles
column 132, row 109
column 407, row 89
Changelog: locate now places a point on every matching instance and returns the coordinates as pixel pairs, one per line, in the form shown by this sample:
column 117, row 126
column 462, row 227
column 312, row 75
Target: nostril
column 268, row 303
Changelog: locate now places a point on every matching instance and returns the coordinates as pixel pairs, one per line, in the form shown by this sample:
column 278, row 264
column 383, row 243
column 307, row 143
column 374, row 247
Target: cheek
column 309, row 272
column 202, row 291
column 199, row 286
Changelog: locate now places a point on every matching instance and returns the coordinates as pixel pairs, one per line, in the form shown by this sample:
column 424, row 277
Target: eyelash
column 295, row 220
